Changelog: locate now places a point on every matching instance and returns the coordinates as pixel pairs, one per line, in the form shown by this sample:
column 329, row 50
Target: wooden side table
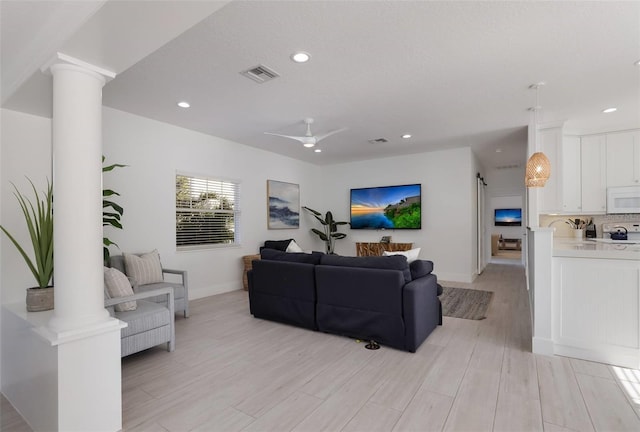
column 248, row 265
column 376, row 249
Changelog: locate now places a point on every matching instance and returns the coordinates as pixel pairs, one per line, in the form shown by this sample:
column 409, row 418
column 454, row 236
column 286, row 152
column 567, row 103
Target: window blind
column 207, row 212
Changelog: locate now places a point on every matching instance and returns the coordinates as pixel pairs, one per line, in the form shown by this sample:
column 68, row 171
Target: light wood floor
column 232, row 372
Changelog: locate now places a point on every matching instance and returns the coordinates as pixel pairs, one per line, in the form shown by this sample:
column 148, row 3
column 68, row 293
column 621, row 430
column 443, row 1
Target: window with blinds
column 207, row 212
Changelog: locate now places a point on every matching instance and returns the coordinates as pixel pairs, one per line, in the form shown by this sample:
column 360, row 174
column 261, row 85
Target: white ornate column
column 77, row 191
column 84, row 338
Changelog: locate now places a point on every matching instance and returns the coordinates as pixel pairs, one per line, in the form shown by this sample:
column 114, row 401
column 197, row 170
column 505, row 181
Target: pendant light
column 538, row 167
column 538, row 170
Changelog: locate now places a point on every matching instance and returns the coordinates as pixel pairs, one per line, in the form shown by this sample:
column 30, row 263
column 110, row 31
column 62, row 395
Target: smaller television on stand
column 508, row 217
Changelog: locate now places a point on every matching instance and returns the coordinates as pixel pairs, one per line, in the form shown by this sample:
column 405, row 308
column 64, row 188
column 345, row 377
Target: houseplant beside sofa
column 372, row 298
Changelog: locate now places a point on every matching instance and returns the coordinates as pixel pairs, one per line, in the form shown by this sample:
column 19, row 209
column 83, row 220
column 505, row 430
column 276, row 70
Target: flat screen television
column 387, row 207
column 508, row 217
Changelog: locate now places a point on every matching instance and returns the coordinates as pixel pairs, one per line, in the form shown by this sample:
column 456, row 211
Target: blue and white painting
column 284, row 204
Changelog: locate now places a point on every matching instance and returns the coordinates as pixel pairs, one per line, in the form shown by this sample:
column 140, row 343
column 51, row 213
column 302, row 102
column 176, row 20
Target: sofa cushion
column 147, row 316
column 293, row 247
column 275, row 255
column 280, row 245
column 178, row 291
column 145, row 269
column 117, row 285
column 394, row 262
column 420, row 268
column 411, row 254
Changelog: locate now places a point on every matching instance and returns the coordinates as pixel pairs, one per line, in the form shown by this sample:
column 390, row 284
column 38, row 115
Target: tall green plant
column 39, row 221
column 330, row 229
column 111, row 212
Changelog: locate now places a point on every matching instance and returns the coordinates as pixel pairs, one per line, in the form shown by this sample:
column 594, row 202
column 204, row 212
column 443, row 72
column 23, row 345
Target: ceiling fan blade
column 297, row 138
column 321, row 137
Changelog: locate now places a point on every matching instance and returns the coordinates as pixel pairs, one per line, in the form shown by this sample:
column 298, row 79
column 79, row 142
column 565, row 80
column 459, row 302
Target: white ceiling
column 450, row 73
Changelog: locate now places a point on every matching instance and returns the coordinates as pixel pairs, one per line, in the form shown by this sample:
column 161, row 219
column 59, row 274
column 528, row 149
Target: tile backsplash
column 563, row 229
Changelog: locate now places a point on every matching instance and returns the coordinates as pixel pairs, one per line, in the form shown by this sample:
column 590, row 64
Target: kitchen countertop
column 569, row 247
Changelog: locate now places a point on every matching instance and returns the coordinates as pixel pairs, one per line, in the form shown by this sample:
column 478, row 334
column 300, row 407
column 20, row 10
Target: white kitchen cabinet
column 584, row 180
column 623, row 158
column 596, row 305
column 593, row 174
column 549, row 140
column 570, row 173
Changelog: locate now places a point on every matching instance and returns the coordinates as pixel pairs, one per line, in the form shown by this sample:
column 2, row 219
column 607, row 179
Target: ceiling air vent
column 378, row 141
column 260, row 74
column 508, row 166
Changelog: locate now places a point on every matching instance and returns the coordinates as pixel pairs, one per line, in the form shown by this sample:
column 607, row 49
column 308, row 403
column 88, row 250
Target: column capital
column 64, row 59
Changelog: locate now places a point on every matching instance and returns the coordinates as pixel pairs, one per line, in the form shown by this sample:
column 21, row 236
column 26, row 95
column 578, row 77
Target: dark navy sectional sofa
column 384, row 299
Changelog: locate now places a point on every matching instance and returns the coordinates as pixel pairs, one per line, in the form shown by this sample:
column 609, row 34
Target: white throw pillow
column 145, row 269
column 411, row 254
column 118, row 285
column 293, row 247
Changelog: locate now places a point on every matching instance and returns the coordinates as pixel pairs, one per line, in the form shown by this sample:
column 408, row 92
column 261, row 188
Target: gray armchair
column 180, row 290
column 151, row 324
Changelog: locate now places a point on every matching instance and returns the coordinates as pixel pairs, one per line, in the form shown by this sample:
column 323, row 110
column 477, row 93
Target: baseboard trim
column 543, row 346
column 200, row 292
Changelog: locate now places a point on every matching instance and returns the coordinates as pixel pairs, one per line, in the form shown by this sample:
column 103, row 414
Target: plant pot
column 39, row 299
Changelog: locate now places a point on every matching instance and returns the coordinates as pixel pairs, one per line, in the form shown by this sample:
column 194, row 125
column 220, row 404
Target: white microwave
column 623, row 199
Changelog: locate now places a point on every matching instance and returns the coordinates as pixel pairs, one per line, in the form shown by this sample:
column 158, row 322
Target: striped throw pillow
column 118, row 285
column 145, row 269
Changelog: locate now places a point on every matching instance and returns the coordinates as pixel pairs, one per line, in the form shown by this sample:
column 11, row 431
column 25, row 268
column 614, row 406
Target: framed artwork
column 283, row 205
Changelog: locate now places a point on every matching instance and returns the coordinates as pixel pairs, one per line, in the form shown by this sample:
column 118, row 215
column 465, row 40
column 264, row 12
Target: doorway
column 507, row 229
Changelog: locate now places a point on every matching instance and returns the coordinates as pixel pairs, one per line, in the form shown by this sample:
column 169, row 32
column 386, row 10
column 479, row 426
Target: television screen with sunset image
column 508, row 217
column 386, row 207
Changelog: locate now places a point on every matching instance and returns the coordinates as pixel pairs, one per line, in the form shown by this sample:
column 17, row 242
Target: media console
column 376, row 249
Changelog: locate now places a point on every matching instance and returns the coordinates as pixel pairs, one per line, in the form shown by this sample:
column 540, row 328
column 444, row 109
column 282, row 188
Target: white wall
column 154, row 151
column 26, row 152
column 448, row 189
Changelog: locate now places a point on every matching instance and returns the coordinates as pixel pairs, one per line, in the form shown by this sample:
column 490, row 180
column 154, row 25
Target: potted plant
column 330, row 227
column 39, row 220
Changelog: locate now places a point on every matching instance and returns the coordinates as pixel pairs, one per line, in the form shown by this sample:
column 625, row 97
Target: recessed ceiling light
column 637, row 63
column 308, row 144
column 318, row 151
column 498, row 150
column 184, row 104
column 300, row 57
column 406, row 136
column 609, row 110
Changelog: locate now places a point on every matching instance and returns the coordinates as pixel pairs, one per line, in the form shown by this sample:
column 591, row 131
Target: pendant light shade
column 538, row 170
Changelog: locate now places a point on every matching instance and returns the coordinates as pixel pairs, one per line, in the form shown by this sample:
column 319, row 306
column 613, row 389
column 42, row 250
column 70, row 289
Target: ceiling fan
column 309, row 140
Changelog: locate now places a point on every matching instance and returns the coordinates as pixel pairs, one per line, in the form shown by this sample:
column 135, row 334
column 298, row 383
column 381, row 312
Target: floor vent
column 379, row 141
column 260, row 74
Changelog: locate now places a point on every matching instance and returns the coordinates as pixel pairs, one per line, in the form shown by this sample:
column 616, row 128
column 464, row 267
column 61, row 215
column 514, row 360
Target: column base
column 68, row 380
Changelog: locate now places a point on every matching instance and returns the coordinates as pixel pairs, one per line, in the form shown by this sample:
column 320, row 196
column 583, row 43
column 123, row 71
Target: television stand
column 376, row 249
column 510, row 244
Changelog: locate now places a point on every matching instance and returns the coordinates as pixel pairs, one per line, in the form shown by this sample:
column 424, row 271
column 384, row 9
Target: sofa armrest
column 420, row 268
column 183, row 273
column 421, row 308
column 185, row 283
column 142, row 295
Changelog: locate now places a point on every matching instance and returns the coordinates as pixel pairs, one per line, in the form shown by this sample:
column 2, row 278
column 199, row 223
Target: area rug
column 465, row 303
